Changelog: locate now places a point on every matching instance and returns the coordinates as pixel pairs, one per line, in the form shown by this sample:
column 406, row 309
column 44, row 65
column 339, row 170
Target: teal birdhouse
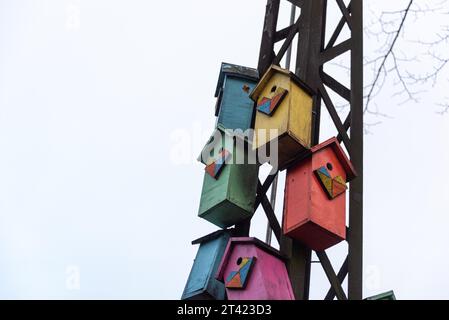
column 230, row 180
column 234, row 107
column 383, row 296
column 201, row 284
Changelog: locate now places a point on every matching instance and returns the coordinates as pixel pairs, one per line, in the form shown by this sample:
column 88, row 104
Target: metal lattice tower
column 312, row 54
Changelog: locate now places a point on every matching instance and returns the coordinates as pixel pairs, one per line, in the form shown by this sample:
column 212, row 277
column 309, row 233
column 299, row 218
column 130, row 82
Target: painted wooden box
column 234, row 107
column 315, row 197
column 201, row 284
column 230, row 181
column 252, row 270
column 284, row 112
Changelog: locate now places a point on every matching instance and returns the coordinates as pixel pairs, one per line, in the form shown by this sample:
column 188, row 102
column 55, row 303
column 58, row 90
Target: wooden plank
column 332, row 277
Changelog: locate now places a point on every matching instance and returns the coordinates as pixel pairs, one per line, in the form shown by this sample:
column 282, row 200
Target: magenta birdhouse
column 252, row 270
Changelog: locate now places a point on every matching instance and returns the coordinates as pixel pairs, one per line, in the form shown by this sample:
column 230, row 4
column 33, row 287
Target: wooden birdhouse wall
column 310, row 215
column 292, row 118
column 267, row 280
column 229, row 198
column 235, row 106
column 201, row 284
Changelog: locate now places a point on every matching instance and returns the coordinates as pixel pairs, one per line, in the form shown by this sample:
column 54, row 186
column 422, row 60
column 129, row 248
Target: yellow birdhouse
column 284, row 114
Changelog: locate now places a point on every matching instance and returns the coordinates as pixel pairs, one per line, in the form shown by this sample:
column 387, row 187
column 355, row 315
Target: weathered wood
column 310, row 215
column 268, row 279
column 229, row 199
column 234, row 107
column 290, row 125
column 201, row 283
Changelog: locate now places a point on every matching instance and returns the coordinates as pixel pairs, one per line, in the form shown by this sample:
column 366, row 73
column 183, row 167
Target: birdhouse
column 201, row 284
column 230, row 180
column 234, row 107
column 315, row 197
column 383, row 296
column 252, row 270
column 284, row 113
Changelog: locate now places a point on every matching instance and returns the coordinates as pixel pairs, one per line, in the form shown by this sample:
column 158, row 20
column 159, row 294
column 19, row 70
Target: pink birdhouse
column 252, row 270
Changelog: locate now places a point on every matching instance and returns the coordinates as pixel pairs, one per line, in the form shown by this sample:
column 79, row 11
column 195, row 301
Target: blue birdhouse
column 201, row 284
column 234, row 107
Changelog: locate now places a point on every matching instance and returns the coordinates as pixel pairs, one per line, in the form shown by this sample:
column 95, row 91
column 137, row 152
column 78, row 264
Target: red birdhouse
column 315, row 197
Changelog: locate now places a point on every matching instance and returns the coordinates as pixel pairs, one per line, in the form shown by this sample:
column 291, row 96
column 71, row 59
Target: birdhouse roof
column 212, row 236
column 269, row 74
column 228, row 69
column 341, row 155
column 383, row 296
column 238, row 241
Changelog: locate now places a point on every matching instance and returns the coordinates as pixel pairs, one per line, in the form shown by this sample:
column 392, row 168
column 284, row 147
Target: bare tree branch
column 389, row 53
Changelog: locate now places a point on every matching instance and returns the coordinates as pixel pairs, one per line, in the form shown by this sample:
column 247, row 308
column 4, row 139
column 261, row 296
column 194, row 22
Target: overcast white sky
column 94, row 95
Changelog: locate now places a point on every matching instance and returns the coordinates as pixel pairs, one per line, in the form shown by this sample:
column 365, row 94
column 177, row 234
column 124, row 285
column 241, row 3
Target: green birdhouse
column 230, row 179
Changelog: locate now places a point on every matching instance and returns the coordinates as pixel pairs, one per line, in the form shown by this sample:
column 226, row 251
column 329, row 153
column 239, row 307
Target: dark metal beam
column 345, row 12
column 346, row 125
column 260, row 193
column 267, row 54
column 335, row 118
column 283, row 33
column 331, row 53
column 308, row 66
column 288, row 41
column 330, row 273
column 337, row 30
column 298, row 3
column 336, row 86
column 355, row 260
column 271, row 216
column 298, row 265
column 341, row 275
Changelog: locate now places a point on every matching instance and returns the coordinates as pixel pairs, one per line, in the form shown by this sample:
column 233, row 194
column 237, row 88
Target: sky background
column 104, row 106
